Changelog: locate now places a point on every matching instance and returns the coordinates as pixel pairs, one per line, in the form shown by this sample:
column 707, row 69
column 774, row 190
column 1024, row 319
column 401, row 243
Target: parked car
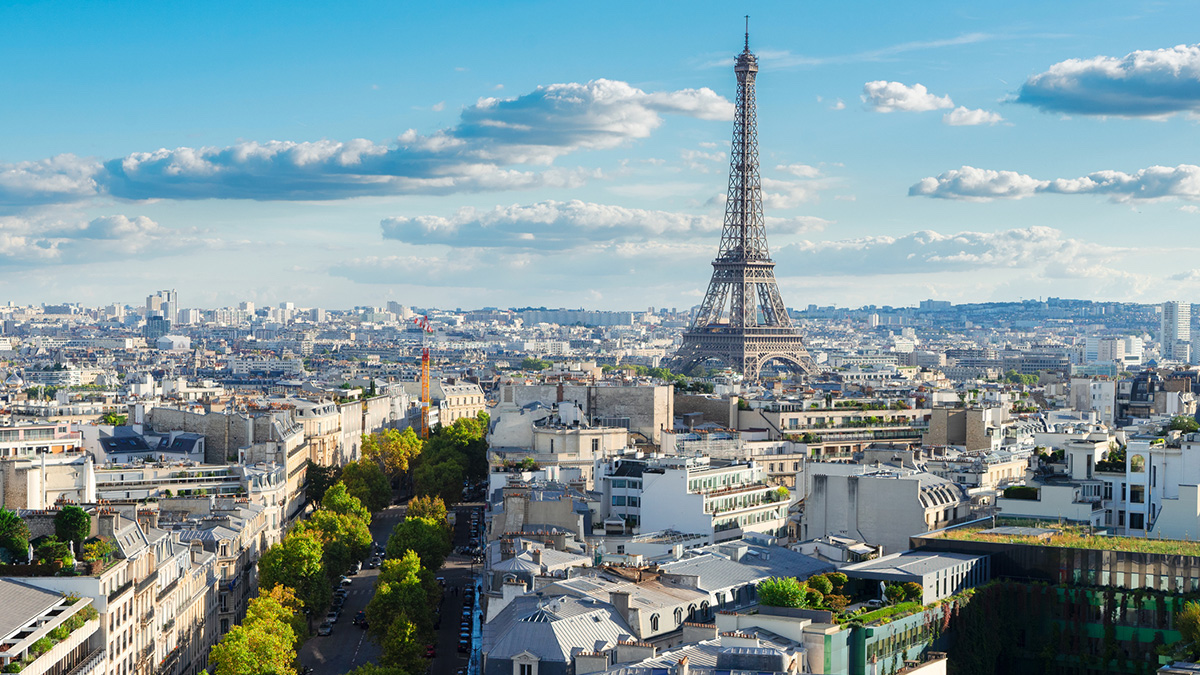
column 430, row 651
column 333, row 616
column 355, row 568
column 464, row 646
column 325, row 628
column 345, row 581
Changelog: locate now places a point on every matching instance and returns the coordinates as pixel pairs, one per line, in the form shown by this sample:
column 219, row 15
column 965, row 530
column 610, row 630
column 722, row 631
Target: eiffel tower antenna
column 742, row 320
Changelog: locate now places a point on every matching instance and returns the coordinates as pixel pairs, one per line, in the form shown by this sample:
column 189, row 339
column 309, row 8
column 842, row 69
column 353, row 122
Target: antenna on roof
column 747, row 32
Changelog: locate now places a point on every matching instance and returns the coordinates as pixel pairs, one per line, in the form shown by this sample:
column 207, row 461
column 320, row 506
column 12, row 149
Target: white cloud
column 884, row 96
column 1143, row 83
column 799, row 170
column 1042, row 248
column 439, row 106
column 49, row 240
column 701, row 161
column 64, row 178
column 965, row 117
column 479, row 153
column 838, row 105
column 1149, row 184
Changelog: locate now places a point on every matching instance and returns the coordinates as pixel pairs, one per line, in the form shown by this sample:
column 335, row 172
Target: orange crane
column 423, row 323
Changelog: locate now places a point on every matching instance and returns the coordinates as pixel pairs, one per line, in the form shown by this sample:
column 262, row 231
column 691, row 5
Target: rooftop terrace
column 1058, row 535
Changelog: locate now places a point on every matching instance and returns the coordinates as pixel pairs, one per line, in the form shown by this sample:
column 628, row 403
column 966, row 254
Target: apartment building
column 718, row 499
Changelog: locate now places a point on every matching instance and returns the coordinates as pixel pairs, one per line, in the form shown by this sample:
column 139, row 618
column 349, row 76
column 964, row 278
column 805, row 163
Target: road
column 349, row 646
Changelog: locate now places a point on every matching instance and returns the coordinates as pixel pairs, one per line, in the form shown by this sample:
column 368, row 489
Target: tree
column 781, row 592
column 442, row 479
column 533, row 363
column 425, row 536
column 296, row 562
column 1185, row 424
column 255, row 650
column 365, row 480
column 1187, row 622
column 837, row 602
column 319, row 478
column 344, row 539
column 14, row 535
column 72, row 524
column 821, row 583
column 340, row 501
column 405, row 590
column 292, row 609
column 402, row 647
column 837, row 579
column 49, row 549
column 813, row 597
column 392, row 449
column 894, row 593
column 114, row 419
column 427, row 507
column 913, row 591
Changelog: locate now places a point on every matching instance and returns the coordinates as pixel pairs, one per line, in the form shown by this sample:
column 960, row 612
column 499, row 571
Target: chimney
column 682, row 667
column 736, row 638
column 536, row 554
column 695, row 632
column 590, row 662
column 630, row 652
column 620, row 600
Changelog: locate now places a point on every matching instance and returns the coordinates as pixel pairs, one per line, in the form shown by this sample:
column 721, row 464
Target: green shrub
column 821, row 583
column 41, row 646
column 60, row 632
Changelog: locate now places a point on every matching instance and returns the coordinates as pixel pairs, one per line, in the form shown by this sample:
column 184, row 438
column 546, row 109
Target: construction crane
column 423, row 323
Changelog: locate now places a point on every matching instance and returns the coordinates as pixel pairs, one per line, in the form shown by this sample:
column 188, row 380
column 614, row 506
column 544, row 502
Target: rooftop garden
column 1069, row 536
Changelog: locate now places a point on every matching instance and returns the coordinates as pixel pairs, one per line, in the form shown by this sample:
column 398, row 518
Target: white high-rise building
column 1176, row 335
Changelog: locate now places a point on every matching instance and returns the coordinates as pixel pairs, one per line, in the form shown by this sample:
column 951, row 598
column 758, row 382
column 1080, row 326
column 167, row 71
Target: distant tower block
column 756, row 328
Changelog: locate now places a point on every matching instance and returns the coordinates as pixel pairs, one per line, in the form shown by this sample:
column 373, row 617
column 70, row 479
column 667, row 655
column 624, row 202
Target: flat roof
column 910, row 563
column 1016, row 531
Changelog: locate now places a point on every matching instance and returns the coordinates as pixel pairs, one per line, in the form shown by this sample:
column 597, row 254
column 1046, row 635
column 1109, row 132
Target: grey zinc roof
column 702, row 655
column 909, row 563
column 22, row 604
column 717, row 571
column 552, row 628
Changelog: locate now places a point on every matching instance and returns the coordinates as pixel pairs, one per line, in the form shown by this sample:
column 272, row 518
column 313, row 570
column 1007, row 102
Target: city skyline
column 484, row 156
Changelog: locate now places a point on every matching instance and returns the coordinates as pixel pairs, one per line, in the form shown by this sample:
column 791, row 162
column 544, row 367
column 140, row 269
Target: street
column 349, row 646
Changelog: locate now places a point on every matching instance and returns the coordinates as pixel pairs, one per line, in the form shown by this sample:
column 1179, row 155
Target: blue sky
column 471, row 154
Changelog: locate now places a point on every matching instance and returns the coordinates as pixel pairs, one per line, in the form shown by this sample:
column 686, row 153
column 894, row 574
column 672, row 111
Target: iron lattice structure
column 756, row 328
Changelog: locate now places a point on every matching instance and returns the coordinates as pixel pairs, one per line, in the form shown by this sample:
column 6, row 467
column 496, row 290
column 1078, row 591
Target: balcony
column 91, row 663
column 119, row 590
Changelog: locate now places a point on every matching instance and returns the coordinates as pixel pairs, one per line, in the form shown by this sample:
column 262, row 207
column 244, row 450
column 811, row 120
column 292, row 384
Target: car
column 338, row 602
column 874, row 603
column 441, row 581
column 355, row 568
column 333, row 616
column 376, row 561
column 343, row 592
column 360, row 618
column 430, row 651
column 345, row 581
column 325, row 628
column 464, row 646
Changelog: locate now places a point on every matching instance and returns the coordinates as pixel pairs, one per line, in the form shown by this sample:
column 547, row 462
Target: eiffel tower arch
column 742, row 321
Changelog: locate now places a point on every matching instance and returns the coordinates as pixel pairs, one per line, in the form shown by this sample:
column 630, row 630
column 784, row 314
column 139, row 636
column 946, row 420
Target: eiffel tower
column 757, row 328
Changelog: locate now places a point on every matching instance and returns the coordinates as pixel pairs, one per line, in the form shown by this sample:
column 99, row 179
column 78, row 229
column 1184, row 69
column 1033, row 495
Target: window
column 595, row 445
column 633, row 501
column 618, row 483
column 1137, row 464
column 653, row 622
column 1137, row 494
column 678, row 616
column 1137, row 521
column 618, row 500
column 526, row 669
column 551, row 445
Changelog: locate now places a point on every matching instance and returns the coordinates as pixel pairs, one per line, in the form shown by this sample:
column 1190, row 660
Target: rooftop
column 1052, row 534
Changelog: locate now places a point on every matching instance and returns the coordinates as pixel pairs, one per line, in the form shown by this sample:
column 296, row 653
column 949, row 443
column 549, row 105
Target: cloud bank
column 1144, row 83
column 554, row 226
column 1150, row 184
column 479, row 153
